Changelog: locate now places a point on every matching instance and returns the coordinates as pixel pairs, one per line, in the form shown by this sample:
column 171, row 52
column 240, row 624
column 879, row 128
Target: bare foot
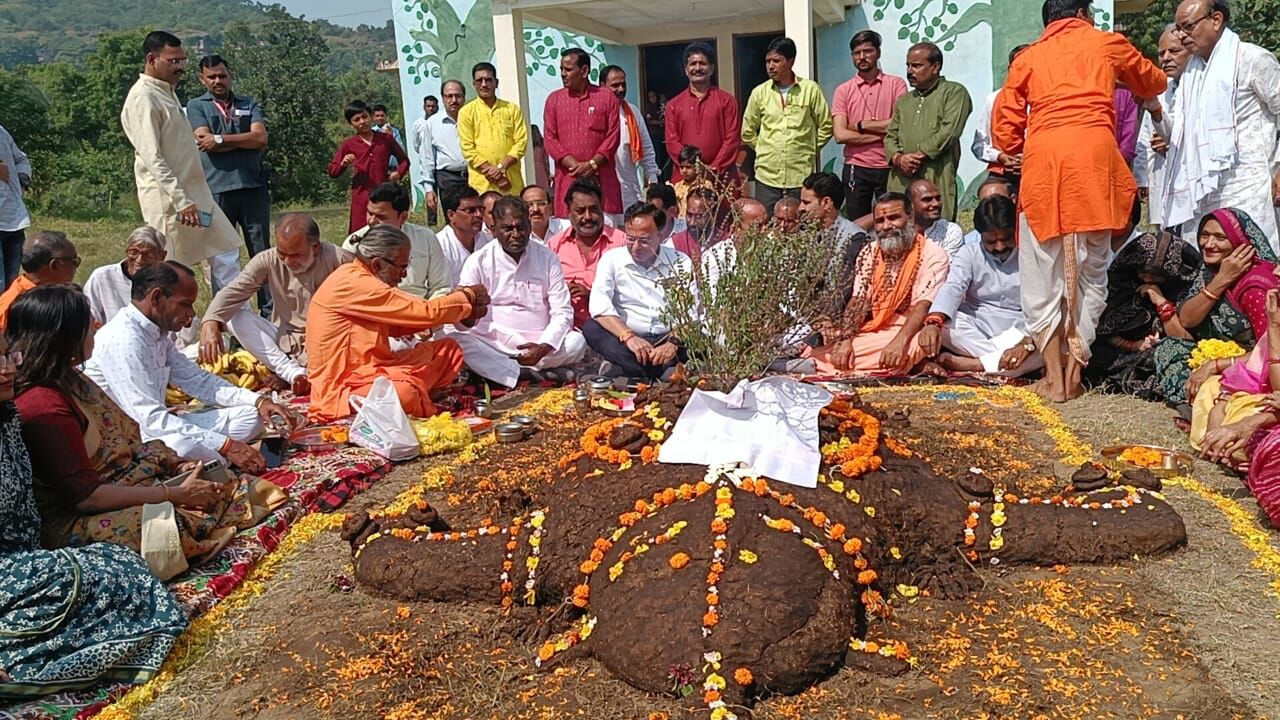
column 1073, row 392
column 959, row 363
column 933, row 368
column 1047, row 390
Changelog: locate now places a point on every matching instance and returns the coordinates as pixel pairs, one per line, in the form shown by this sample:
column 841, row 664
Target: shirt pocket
column 597, row 119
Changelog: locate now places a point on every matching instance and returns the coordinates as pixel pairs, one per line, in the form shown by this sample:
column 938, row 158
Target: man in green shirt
column 923, row 140
column 787, row 121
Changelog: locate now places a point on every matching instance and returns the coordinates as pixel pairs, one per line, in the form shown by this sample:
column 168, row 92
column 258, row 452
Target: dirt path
column 1193, row 635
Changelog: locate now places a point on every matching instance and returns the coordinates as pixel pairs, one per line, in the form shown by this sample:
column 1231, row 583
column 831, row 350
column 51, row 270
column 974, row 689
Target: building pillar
column 727, row 65
column 513, row 77
column 798, row 23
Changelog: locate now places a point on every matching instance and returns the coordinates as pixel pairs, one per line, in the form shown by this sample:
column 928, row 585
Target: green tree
column 1257, row 21
column 281, row 64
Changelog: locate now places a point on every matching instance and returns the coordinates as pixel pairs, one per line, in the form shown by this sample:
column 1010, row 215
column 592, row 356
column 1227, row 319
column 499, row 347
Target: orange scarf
column 886, row 301
column 633, row 133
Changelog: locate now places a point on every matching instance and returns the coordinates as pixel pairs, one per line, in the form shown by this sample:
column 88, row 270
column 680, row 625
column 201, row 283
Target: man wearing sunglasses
column 47, row 257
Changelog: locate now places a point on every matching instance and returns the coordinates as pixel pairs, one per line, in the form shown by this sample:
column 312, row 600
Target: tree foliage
column 1257, row 21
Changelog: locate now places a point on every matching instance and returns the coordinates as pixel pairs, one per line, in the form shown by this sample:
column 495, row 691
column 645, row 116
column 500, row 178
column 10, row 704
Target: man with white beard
column 1153, row 138
column 895, row 279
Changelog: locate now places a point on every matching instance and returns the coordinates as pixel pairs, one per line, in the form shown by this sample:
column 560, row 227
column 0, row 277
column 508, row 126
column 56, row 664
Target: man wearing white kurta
column 1149, row 162
column 172, row 191
column 530, row 319
column 631, row 160
column 977, row 314
column 1222, row 151
column 110, row 286
column 428, row 274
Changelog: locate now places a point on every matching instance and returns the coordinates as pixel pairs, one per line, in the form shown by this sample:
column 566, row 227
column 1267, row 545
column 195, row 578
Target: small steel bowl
column 482, row 408
column 600, row 384
column 528, row 422
column 508, row 432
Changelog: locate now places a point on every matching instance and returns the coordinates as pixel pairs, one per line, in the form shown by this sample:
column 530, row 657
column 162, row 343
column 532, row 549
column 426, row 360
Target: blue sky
column 342, row 12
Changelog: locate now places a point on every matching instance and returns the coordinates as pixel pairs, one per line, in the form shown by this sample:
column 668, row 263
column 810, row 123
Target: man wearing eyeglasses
column 492, row 134
column 47, row 257
column 1222, row 153
column 172, row 190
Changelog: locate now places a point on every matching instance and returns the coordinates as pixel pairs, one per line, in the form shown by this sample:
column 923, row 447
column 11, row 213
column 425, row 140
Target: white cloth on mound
column 771, row 425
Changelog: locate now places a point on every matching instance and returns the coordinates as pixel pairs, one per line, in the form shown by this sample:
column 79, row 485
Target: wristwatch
column 1029, row 345
column 217, row 139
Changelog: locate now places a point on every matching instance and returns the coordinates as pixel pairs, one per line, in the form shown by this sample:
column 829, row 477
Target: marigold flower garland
column 1214, row 349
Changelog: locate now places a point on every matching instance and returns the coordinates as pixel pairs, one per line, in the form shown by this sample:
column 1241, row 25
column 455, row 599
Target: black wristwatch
column 860, row 126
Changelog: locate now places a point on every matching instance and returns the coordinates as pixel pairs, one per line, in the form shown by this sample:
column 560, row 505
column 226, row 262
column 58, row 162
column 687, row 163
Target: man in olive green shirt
column 923, row 140
column 787, row 121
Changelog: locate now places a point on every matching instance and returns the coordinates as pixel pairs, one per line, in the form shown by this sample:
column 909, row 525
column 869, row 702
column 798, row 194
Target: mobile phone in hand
column 216, row 472
column 273, row 450
column 178, row 480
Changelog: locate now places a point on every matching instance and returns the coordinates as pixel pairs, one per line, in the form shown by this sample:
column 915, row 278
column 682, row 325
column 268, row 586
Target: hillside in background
column 42, row 31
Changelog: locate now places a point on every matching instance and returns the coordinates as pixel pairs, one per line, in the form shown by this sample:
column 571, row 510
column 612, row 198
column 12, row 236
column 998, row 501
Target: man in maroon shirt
column 704, row 116
column 581, row 132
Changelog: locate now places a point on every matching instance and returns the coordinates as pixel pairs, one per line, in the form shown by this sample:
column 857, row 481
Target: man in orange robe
column 356, row 312
column 1076, row 188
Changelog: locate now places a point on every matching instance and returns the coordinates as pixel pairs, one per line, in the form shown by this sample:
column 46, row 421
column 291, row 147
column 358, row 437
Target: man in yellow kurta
column 172, row 191
column 1076, row 187
column 493, row 136
column 358, row 310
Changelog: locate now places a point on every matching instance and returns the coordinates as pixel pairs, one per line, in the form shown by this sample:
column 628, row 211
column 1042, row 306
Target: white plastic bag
column 382, row 425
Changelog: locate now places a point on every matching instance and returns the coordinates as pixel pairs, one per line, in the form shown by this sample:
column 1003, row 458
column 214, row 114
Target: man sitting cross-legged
column 428, row 274
column 926, row 203
column 357, row 311
column 291, row 271
column 896, row 277
column 134, row 360
column 627, row 300
column 530, row 319
column 977, row 315
column 108, row 288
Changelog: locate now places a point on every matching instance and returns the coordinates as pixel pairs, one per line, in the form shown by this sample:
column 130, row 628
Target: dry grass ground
column 1193, row 635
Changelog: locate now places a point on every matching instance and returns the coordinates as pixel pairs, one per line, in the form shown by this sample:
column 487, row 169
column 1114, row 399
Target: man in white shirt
column 926, row 203
column 134, row 360
column 982, row 147
column 542, row 224
column 463, row 234
column 1222, row 149
column 977, row 315
column 421, row 137
column 530, row 320
column 428, row 274
column 627, row 300
column 1153, row 138
column 636, row 163
column 173, row 193
column 15, row 177
column 440, row 152
column 108, row 287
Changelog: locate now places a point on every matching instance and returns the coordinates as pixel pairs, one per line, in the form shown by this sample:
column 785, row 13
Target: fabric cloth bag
column 381, row 425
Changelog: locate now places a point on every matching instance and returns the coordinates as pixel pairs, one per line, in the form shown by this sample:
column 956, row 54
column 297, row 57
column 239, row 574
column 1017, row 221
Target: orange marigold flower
column 508, row 587
column 742, row 676
column 710, row 696
column 720, row 545
column 748, row 485
column 860, row 563
column 762, row 488
column 668, row 496
column 648, row 455
column 835, row 532
column 629, row 518
column 719, row 526
column 588, row 567
column 685, row 491
column 971, row 522
column 872, row 647
column 710, row 619
column 546, row 651
column 678, row 561
column 581, row 595
column 866, row 577
column 717, row 567
column 787, row 499
column 701, row 488
column 642, row 506
column 785, row 525
column 819, row 518
column 713, row 599
column 597, row 555
column 853, row 546
column 713, row 578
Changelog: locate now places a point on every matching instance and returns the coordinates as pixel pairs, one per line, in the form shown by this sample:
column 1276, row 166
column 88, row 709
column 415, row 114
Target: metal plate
column 1175, row 462
column 312, row 438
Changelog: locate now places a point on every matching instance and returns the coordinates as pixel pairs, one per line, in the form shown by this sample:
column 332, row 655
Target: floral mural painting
column 542, row 47
column 443, row 45
column 942, row 22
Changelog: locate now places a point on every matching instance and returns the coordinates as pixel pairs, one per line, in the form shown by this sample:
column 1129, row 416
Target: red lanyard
column 225, row 112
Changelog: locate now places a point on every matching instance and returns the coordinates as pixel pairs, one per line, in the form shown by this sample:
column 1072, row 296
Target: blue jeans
column 11, row 252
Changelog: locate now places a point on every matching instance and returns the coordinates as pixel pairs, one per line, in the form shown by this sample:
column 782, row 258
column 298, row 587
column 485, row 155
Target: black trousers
column 862, row 185
column 250, row 209
column 607, row 345
column 769, row 195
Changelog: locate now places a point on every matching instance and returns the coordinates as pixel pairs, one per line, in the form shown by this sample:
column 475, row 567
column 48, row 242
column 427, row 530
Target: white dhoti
column 1064, row 284
column 987, row 338
column 238, row 423
column 489, row 361
column 257, row 335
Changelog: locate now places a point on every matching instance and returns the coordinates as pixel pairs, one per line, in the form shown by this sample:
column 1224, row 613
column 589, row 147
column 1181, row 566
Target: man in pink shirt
column 529, row 325
column 581, row 132
column 581, row 246
column 861, row 110
column 704, row 116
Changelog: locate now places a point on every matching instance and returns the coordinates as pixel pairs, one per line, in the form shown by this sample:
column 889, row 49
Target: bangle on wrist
column 1210, row 295
column 935, row 319
column 226, row 447
column 166, row 492
column 625, row 336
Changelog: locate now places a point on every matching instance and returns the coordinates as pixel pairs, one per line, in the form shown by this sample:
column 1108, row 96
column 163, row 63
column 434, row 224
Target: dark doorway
column 663, row 73
column 748, row 53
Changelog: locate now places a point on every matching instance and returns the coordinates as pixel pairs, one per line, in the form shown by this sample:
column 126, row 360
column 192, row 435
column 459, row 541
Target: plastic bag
column 382, row 425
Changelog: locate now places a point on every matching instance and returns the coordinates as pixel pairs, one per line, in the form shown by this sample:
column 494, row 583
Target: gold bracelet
column 166, row 493
column 1210, row 295
column 626, row 336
